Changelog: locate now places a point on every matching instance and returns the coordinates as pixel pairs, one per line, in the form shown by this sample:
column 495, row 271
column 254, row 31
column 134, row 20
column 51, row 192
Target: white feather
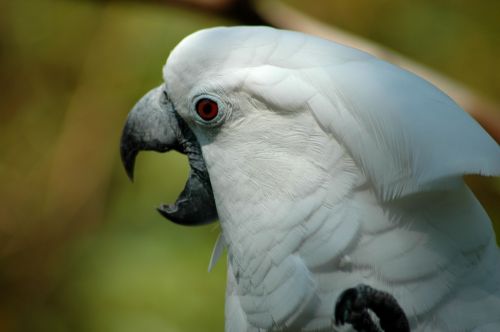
column 216, row 252
column 334, row 168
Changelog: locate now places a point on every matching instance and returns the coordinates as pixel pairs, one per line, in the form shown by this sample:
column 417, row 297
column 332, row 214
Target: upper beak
column 149, row 126
column 154, row 125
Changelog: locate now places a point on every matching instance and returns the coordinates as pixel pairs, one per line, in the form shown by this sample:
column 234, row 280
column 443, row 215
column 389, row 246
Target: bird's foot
column 353, row 307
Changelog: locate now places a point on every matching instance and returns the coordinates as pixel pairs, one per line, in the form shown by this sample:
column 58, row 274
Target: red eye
column 207, row 109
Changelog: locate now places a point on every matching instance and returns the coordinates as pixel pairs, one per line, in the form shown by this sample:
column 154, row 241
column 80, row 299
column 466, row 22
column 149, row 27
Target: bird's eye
column 207, row 109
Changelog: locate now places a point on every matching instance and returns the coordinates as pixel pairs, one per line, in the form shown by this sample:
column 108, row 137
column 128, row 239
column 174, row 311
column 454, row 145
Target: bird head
column 266, row 116
column 216, row 106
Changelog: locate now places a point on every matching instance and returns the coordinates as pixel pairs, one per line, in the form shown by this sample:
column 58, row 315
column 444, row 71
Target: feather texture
column 333, row 168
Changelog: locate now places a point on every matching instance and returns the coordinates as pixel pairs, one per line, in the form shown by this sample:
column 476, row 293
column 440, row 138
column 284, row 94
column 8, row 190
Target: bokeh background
column 81, row 248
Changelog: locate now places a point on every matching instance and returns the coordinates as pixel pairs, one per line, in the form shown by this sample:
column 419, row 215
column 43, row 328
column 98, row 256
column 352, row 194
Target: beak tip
column 128, row 155
column 164, row 211
column 130, row 175
column 128, row 164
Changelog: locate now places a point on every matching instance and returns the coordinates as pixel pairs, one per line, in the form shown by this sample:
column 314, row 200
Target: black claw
column 343, row 307
column 353, row 304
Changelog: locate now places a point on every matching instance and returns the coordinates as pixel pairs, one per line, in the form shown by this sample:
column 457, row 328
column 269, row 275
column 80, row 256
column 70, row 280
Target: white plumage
column 332, row 168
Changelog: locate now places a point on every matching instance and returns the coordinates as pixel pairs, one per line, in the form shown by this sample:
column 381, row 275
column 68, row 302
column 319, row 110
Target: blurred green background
column 81, row 249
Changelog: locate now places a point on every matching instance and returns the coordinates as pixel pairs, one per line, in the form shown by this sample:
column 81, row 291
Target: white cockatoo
column 327, row 168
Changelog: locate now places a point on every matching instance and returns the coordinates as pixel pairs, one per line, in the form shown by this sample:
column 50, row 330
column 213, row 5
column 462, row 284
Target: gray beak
column 154, row 125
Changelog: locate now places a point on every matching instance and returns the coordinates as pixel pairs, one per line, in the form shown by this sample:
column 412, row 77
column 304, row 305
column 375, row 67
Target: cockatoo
column 327, row 168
